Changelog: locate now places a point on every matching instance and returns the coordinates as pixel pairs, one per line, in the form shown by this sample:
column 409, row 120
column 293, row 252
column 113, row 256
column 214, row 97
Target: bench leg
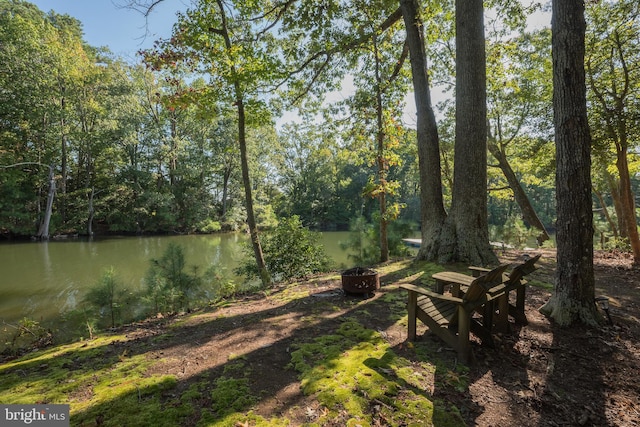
column 502, row 319
column 488, row 311
column 412, row 306
column 518, row 313
column 464, row 328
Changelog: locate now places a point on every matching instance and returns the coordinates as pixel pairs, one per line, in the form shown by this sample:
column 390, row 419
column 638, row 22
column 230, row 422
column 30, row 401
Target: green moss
column 355, row 370
column 87, row 349
column 231, row 395
column 395, row 305
column 235, row 420
column 290, row 293
column 394, row 266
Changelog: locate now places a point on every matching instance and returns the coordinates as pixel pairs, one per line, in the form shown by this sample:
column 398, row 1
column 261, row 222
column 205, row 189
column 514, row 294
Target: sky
column 124, row 31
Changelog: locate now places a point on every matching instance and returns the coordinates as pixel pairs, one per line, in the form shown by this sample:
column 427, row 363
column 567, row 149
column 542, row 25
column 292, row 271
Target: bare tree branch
column 328, row 54
column 145, row 7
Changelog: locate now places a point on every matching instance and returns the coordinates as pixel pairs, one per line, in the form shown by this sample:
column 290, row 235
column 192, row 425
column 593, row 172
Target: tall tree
column 226, row 41
column 574, row 291
column 374, row 110
column 432, row 212
column 307, row 172
column 465, row 235
column 613, row 78
column 44, row 58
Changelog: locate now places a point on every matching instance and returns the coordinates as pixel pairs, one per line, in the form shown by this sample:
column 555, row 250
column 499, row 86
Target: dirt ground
column 538, row 375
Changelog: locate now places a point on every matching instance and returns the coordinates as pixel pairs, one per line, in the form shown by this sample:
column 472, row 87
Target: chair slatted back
column 523, row 269
column 480, row 285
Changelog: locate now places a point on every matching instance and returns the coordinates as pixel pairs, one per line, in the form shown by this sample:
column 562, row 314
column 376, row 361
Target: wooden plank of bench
column 478, row 271
column 440, row 312
column 423, row 291
column 445, row 278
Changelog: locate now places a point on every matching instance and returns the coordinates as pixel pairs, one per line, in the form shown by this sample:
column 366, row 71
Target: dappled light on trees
column 574, row 292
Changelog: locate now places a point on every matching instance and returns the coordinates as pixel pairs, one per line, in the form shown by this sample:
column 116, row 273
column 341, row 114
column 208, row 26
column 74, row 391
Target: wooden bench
column 458, row 284
column 516, row 282
column 498, row 308
column 449, row 316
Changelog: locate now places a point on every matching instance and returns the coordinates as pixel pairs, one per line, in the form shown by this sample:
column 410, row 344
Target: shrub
column 168, row 286
column 217, row 284
column 30, row 334
column 290, row 250
column 209, row 226
column 104, row 296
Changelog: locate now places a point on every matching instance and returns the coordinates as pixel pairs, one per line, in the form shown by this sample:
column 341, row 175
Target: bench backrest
column 521, row 270
column 480, row 285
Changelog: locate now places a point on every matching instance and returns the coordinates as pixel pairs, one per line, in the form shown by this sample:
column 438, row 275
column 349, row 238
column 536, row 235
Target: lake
column 41, row 280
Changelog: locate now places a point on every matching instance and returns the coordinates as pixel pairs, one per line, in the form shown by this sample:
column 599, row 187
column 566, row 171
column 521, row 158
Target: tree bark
column 251, row 219
column 465, row 235
column 432, row 212
column 574, row 292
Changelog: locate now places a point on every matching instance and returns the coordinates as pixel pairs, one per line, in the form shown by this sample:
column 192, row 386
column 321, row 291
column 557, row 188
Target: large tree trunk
column 574, row 293
column 528, row 212
column 465, row 236
column 432, row 213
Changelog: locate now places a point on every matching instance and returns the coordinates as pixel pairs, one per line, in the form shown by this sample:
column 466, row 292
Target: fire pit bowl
column 360, row 280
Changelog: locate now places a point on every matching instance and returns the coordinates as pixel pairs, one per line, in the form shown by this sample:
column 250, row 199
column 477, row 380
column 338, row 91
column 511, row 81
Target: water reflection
column 43, row 280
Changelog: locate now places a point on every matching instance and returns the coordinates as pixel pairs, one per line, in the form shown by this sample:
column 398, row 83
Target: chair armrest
column 426, row 292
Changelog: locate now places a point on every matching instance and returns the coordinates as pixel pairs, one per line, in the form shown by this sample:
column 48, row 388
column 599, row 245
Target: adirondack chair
column 450, row 317
column 502, row 304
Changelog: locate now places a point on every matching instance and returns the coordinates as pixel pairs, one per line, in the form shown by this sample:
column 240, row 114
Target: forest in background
column 130, row 148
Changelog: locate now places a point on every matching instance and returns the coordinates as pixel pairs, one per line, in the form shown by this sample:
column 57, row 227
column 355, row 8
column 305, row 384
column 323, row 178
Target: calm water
column 42, row 280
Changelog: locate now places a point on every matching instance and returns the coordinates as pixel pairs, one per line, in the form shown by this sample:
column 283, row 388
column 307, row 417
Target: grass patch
column 94, row 379
column 358, row 378
column 110, row 387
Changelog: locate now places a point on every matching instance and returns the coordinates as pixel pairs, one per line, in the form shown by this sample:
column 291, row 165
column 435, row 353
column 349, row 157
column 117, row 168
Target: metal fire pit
column 360, row 280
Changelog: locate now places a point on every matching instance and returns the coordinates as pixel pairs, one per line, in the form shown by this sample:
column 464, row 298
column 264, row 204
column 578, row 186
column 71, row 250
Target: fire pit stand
column 360, row 281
